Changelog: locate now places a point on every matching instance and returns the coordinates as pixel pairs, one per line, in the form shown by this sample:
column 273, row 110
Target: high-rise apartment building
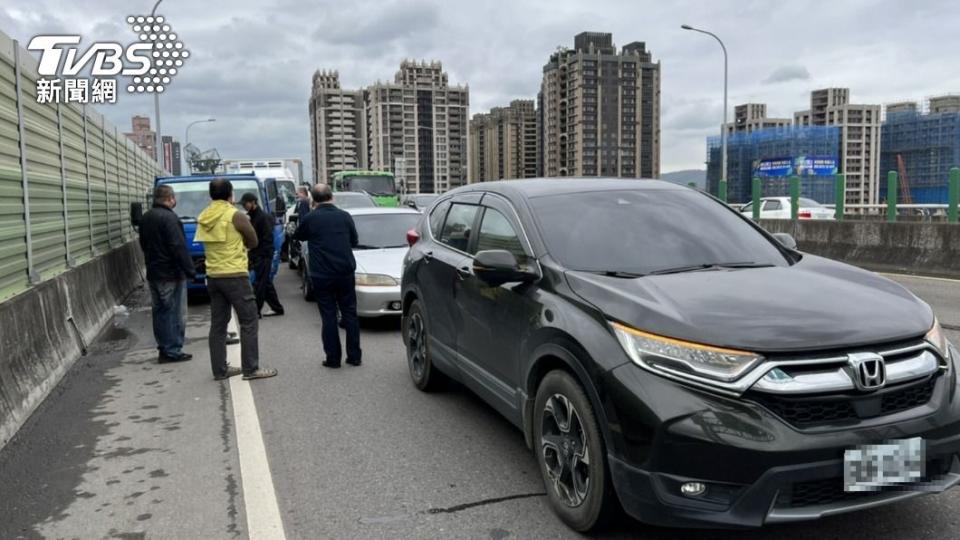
column 503, row 143
column 171, row 155
column 601, row 110
column 859, row 139
column 415, row 127
column 922, row 147
column 338, row 139
column 751, row 117
column 418, row 128
column 143, row 136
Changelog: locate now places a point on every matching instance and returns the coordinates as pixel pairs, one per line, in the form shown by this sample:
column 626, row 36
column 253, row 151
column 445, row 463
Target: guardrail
column 67, row 178
column 891, row 209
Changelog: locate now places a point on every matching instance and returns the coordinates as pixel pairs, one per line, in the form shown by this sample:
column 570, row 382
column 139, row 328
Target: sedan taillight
column 412, row 237
column 804, row 214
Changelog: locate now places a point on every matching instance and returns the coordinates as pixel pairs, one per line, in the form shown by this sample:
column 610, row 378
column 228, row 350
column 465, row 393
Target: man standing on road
column 226, row 233
column 303, row 202
column 261, row 257
column 169, row 266
column 331, row 237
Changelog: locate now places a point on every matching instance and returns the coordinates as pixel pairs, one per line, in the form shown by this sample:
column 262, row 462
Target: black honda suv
column 662, row 353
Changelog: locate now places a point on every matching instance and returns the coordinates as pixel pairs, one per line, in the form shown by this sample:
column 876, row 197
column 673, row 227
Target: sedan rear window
column 644, row 231
column 376, row 231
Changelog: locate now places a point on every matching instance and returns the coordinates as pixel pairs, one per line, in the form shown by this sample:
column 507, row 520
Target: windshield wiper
column 709, row 266
column 187, row 218
column 618, row 274
column 366, row 246
column 391, row 247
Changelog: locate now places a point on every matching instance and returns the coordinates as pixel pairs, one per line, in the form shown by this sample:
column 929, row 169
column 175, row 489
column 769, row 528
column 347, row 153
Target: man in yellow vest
column 227, row 234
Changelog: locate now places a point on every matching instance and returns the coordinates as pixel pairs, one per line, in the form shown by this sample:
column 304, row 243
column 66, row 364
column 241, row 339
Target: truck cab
column 193, row 195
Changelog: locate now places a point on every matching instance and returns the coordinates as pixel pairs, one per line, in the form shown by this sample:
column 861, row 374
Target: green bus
column 378, row 184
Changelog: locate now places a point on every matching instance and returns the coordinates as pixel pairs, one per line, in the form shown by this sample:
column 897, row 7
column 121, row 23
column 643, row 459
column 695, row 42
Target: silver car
column 382, row 234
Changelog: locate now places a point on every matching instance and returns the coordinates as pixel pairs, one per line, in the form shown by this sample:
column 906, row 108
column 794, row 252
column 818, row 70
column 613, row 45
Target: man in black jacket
column 331, row 237
column 169, row 266
column 261, row 257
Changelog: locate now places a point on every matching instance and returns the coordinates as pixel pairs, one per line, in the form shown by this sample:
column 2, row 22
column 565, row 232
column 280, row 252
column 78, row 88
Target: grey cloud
column 372, row 26
column 788, row 73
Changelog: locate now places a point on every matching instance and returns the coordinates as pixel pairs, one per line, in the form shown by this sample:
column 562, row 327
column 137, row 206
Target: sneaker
column 274, row 313
column 354, row 362
column 262, row 373
column 232, row 371
column 331, row 365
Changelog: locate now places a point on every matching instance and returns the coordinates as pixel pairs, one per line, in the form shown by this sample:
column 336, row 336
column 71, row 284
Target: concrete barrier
column 931, row 249
column 46, row 328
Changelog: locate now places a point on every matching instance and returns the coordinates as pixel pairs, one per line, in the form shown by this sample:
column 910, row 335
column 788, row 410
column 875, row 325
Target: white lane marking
column 948, row 280
column 259, row 497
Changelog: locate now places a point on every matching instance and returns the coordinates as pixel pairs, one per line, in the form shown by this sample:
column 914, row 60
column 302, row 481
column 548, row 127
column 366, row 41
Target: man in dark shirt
column 261, row 257
column 169, row 266
column 331, row 236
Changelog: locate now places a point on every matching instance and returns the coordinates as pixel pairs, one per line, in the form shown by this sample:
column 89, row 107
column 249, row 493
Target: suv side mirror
column 786, row 240
column 136, row 213
column 498, row 266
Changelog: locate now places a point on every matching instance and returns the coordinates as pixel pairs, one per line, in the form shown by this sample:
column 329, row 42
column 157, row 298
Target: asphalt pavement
column 126, row 448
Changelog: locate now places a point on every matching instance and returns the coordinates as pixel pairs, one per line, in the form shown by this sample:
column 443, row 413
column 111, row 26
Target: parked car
column 420, row 201
column 697, row 371
column 382, row 234
column 779, row 208
column 345, row 200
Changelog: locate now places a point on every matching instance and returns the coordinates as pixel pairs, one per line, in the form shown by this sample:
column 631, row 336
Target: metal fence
column 67, row 178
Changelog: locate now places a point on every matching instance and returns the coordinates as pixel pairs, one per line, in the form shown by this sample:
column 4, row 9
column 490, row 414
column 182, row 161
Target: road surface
column 126, row 448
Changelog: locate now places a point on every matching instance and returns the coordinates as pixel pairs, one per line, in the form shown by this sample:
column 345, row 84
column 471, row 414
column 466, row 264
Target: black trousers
column 263, row 285
column 225, row 294
column 333, row 293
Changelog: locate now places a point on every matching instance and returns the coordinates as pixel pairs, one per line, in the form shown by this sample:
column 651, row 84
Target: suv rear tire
column 423, row 373
column 570, row 452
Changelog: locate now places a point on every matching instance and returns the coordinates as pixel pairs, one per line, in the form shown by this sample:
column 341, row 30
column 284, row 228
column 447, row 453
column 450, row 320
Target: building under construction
column 921, row 142
column 773, row 155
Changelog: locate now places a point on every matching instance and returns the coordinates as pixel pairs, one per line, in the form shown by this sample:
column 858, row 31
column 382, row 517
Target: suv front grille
column 809, row 411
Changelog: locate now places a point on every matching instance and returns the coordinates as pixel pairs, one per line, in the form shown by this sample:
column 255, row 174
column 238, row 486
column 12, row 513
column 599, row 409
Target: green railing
column 67, row 178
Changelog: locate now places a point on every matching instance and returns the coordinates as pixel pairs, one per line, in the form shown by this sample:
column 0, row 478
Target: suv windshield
column 193, row 197
column 640, row 232
column 384, row 230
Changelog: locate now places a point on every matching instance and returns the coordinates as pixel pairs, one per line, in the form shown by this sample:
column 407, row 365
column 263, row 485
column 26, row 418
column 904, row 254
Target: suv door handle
column 428, row 256
column 464, row 272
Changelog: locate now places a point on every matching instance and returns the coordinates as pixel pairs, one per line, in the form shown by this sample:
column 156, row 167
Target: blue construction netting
column 928, row 145
column 746, row 150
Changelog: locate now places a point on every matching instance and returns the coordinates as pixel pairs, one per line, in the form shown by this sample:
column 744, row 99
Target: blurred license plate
column 874, row 466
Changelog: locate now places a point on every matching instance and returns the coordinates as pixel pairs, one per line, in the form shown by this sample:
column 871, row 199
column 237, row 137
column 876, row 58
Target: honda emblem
column 868, row 371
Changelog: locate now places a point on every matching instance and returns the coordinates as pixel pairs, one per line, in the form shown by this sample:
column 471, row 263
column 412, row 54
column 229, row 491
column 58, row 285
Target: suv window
column 496, row 232
column 458, row 225
column 436, row 218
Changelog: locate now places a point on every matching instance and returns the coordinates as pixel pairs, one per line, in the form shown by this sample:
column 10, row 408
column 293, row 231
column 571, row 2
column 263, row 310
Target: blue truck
column 193, row 195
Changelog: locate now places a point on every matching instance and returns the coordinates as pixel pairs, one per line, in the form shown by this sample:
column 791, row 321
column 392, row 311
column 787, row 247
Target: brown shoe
column 232, row 371
column 262, row 373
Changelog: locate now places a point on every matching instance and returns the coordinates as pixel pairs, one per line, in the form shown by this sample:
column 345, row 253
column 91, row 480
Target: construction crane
column 905, row 197
column 202, row 162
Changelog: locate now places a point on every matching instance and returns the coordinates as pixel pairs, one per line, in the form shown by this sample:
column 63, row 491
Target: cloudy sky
column 252, row 61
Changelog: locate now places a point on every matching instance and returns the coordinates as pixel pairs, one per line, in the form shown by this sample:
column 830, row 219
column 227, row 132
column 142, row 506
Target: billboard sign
column 799, row 166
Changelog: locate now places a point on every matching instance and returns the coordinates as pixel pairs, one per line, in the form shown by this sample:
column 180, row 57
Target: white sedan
column 382, row 234
column 779, row 208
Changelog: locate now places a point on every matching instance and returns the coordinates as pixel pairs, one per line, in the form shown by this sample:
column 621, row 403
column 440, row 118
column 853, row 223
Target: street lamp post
column 723, row 129
column 157, row 147
column 186, row 133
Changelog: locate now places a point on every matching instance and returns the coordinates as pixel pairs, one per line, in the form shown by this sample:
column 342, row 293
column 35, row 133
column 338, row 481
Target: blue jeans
column 169, row 315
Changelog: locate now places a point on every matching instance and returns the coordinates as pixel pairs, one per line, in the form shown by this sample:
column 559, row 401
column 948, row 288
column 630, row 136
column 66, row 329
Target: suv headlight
column 375, row 280
column 683, row 357
column 938, row 339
